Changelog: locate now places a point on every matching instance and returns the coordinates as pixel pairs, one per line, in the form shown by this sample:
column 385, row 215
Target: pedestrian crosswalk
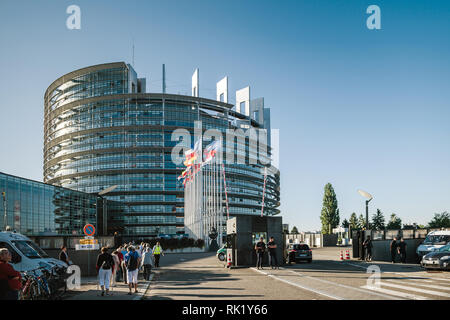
column 419, row 288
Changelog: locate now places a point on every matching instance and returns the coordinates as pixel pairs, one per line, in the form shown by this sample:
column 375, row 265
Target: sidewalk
column 90, row 290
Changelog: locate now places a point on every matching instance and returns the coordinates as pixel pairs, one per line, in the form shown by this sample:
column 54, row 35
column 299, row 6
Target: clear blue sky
column 355, row 107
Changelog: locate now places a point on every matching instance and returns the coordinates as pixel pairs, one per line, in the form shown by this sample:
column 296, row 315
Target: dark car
column 439, row 259
column 299, row 252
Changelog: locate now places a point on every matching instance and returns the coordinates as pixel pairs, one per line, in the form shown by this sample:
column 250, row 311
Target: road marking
column 430, row 292
column 422, row 285
column 343, row 285
column 142, row 292
column 299, row 285
column 395, row 293
column 428, row 277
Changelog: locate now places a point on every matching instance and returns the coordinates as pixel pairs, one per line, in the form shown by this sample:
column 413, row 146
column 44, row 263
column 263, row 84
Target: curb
column 140, row 295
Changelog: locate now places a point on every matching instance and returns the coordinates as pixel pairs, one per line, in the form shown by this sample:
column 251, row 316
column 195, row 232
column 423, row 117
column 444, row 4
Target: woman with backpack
column 105, row 266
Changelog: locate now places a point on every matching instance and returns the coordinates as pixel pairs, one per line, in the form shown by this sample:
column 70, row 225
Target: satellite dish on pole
column 365, row 194
column 107, row 190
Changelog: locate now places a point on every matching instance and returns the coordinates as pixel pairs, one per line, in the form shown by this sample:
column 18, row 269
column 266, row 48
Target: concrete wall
column 85, row 259
column 329, row 240
column 311, row 239
column 381, row 251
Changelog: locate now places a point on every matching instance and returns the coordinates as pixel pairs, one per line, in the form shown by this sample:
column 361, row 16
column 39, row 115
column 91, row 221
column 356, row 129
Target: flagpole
column 264, row 191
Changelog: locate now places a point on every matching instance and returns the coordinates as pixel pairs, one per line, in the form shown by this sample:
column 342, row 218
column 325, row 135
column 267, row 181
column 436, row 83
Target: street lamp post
column 104, row 206
column 369, row 197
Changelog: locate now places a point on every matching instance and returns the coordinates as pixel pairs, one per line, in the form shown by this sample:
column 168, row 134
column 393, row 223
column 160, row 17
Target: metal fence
column 391, row 234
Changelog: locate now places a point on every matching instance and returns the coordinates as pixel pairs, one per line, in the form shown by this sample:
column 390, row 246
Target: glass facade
column 100, row 132
column 34, row 208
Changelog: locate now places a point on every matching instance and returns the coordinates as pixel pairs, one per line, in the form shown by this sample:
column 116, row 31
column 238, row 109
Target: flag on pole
column 190, row 157
column 184, row 173
column 211, row 150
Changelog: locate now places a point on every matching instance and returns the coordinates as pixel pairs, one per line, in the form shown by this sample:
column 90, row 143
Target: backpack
column 107, row 264
column 132, row 262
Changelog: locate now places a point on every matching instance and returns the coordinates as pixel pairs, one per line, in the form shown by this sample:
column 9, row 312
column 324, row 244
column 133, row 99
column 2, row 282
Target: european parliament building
column 102, row 130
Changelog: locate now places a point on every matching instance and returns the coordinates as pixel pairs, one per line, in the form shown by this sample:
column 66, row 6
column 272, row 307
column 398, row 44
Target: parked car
column 222, row 253
column 438, row 259
column 298, row 252
column 433, row 241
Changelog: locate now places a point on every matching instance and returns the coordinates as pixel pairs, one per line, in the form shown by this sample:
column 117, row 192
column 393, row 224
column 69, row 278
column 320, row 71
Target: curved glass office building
column 102, row 129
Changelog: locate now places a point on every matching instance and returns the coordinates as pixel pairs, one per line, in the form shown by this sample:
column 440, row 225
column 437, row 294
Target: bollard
column 347, row 255
column 229, row 261
column 341, row 256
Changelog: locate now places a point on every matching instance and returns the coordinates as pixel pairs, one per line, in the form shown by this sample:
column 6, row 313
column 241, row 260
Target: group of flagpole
column 199, row 190
column 203, row 194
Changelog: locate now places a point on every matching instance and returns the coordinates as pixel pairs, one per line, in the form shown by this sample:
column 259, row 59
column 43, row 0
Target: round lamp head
column 365, row 194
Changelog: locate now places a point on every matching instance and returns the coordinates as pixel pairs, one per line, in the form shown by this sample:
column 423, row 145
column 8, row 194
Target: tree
column 361, row 222
column 353, row 221
column 330, row 212
column 440, row 220
column 294, row 230
column 378, row 220
column 345, row 223
column 394, row 222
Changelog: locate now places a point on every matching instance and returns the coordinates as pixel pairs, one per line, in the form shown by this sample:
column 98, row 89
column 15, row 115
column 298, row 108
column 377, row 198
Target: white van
column 26, row 255
column 433, row 241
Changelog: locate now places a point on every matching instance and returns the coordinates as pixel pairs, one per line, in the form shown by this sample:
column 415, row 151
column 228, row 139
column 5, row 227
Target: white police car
column 433, row 241
column 26, row 255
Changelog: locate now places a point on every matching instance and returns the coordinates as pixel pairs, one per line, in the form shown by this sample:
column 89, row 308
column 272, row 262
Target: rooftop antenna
column 164, row 78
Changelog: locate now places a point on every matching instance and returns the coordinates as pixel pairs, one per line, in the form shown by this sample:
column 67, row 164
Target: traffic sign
column 89, row 230
column 88, row 241
column 87, row 246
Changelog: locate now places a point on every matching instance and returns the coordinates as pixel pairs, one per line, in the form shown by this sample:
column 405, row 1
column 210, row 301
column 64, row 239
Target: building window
column 242, row 107
column 222, row 97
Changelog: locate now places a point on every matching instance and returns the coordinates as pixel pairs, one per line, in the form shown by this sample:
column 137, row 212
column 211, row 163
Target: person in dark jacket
column 63, row 256
column 368, row 248
column 402, row 250
column 10, row 279
column 260, row 247
column 393, row 248
column 105, row 267
column 272, row 246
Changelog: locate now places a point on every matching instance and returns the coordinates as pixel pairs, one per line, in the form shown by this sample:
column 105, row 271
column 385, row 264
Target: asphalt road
column 202, row 276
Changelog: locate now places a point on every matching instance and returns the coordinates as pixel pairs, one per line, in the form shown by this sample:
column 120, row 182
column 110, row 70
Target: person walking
column 132, row 261
column 147, row 262
column 116, row 268
column 10, row 279
column 157, row 252
column 105, row 266
column 402, row 250
column 260, row 247
column 124, row 266
column 273, row 262
column 63, row 256
column 393, row 248
column 368, row 248
column 119, row 272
